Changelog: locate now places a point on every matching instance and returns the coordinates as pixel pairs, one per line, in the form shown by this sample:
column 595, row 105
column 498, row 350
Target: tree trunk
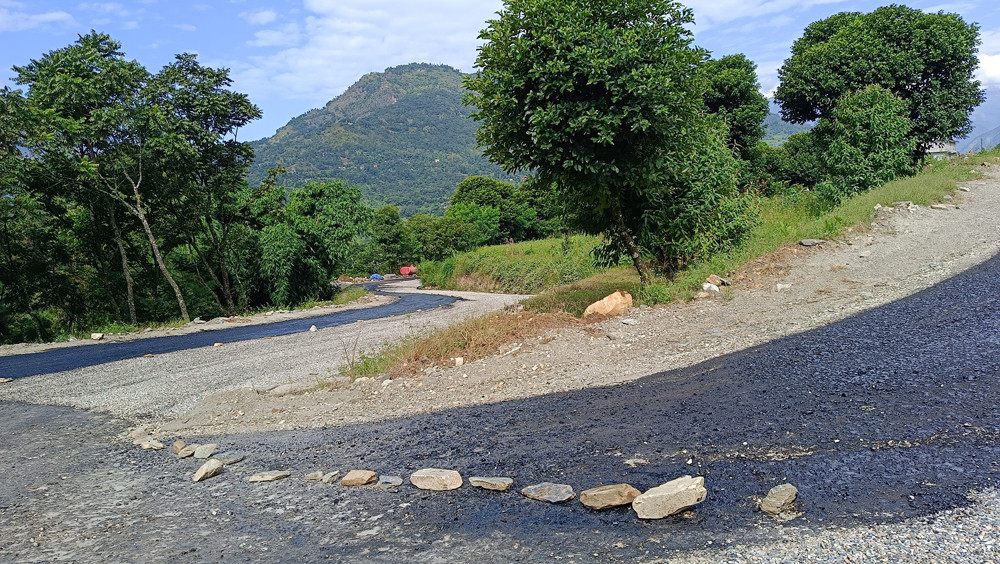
column 219, row 243
column 159, row 261
column 629, row 240
column 129, row 284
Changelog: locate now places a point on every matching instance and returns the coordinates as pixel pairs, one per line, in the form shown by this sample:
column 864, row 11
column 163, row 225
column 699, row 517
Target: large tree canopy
column 927, row 60
column 604, row 98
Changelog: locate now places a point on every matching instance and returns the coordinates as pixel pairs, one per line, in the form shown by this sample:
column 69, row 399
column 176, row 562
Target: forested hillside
column 402, row 135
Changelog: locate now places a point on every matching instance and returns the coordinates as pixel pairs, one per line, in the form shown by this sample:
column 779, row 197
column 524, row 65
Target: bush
column 870, row 143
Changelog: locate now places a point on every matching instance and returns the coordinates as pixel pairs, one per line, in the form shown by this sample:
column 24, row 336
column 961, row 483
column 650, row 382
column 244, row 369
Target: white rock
column 204, row 451
column 783, row 287
column 709, row 287
column 209, row 469
column 313, row 329
column 271, row 476
column 459, row 361
column 495, row 484
column 779, row 499
column 436, row 479
column 670, row 498
column 96, row 336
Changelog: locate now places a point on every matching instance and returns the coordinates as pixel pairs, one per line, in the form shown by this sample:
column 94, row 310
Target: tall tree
column 91, row 102
column 734, row 96
column 602, row 97
column 927, row 60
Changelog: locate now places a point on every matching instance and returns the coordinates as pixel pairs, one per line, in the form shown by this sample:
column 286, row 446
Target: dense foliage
column 402, row 135
column 927, row 60
column 734, row 96
column 605, row 99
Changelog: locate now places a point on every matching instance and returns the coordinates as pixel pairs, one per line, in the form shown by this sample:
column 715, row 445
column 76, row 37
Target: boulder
column 209, row 469
column 670, row 498
column 780, row 499
column 97, row 336
column 358, row 478
column 495, row 484
column 604, row 497
column 547, row 491
column 436, row 479
column 614, row 304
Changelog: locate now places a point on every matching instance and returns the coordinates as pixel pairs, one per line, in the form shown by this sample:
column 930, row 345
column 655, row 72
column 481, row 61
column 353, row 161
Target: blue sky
column 293, row 55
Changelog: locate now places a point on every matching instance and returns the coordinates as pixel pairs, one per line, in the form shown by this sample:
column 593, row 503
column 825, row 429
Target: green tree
column 928, row 60
column 734, row 96
column 601, row 97
column 870, row 142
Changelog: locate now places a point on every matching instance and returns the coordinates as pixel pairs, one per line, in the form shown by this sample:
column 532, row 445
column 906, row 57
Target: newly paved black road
column 893, row 413
column 71, row 358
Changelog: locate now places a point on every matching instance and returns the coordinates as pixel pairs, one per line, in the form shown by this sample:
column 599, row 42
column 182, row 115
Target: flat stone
column 187, row 451
column 633, row 462
column 629, row 321
column 670, row 498
column 233, row 460
column 963, row 189
column 151, row 444
column 205, row 451
column 811, row 242
column 272, row 476
column 358, row 478
column 779, row 500
column 330, row 477
column 315, row 476
column 209, row 469
column 179, row 446
column 547, row 491
column 138, row 433
column 389, row 482
column 436, row 479
column 5, row 380
column 940, row 207
column 604, row 497
column 495, row 484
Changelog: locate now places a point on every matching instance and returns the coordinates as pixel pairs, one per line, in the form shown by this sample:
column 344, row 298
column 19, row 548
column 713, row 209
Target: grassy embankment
column 566, row 282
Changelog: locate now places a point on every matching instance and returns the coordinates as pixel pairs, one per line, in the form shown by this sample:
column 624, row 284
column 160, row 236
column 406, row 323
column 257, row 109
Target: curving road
column 888, row 415
column 71, row 358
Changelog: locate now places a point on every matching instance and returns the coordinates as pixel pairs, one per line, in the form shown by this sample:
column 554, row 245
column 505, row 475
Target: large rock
column 547, row 491
column 670, row 498
column 780, row 499
column 436, row 479
column 358, row 478
column 179, row 446
column 619, row 302
column 604, row 497
column 495, row 484
column 209, row 469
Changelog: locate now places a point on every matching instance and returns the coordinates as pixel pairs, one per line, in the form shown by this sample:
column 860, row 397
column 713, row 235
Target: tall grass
column 520, row 268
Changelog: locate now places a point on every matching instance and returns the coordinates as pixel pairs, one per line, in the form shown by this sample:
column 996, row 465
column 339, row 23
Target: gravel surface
column 886, row 421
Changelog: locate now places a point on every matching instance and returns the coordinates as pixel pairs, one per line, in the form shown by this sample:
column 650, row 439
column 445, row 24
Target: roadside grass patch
column 471, row 339
column 345, row 296
column 520, row 268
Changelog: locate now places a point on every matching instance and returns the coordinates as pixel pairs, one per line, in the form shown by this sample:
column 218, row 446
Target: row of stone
column 659, row 502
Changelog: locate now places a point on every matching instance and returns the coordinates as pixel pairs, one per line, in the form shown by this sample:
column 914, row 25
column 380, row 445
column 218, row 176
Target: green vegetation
column 734, row 97
column 605, row 100
column 402, row 136
column 927, row 60
column 520, row 268
column 777, row 131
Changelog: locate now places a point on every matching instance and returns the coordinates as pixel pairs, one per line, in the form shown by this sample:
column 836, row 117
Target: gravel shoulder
column 797, row 289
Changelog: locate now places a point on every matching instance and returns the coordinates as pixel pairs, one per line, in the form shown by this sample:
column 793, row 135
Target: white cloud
column 287, row 35
column 185, row 27
column 337, row 41
column 989, row 70
column 261, row 17
column 22, row 21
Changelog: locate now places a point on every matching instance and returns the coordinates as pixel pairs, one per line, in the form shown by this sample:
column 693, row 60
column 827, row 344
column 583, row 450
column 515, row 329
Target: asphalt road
column 891, row 414
column 71, row 358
